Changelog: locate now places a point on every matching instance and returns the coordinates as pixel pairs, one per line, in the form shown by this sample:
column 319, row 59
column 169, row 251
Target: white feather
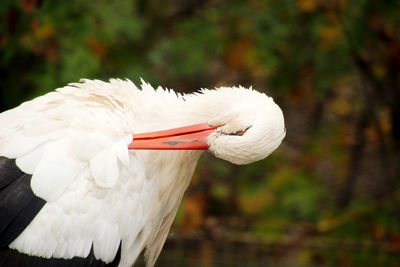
column 121, row 149
column 16, row 145
column 29, row 161
column 53, row 175
column 105, row 169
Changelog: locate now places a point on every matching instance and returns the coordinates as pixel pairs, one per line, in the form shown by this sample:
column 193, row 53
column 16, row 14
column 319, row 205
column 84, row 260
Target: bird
column 92, row 173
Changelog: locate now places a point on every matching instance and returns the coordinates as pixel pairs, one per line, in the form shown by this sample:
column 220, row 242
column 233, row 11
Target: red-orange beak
column 193, row 137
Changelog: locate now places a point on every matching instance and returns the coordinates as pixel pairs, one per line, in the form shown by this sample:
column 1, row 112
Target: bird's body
column 91, row 194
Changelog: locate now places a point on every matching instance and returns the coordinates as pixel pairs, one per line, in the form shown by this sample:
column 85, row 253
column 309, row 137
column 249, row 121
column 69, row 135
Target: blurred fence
column 247, row 250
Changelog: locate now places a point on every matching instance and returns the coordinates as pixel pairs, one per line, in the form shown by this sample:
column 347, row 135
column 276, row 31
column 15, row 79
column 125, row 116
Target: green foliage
column 190, row 53
column 67, row 40
column 294, row 196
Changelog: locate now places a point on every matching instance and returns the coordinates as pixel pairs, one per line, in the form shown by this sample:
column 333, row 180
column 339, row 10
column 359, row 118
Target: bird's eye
column 240, row 133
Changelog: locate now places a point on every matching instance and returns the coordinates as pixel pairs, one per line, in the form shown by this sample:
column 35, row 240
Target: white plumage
column 75, row 143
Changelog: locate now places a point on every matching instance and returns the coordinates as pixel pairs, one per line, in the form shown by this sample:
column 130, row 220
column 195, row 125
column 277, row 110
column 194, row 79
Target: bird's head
column 240, row 125
column 249, row 130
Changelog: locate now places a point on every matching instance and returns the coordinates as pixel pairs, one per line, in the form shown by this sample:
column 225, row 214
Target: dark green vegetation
column 330, row 195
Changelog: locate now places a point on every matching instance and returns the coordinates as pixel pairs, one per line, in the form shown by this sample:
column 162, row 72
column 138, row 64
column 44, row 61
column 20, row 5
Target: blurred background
column 330, row 195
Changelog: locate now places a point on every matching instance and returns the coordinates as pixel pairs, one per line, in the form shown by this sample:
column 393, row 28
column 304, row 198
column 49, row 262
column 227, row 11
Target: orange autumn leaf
column 238, row 54
column 193, row 208
column 3, row 40
column 378, row 231
column 329, row 36
column 96, row 46
column 42, row 31
column 29, row 5
column 254, row 203
column 307, row 5
column 303, row 88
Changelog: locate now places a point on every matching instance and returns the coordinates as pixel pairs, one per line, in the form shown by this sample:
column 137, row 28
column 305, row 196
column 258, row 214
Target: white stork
column 77, row 189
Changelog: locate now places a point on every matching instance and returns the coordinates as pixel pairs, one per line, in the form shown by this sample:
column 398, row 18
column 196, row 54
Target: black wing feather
column 18, row 204
column 8, row 171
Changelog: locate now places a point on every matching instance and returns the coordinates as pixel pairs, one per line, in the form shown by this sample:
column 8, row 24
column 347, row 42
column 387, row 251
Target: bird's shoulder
column 55, row 136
